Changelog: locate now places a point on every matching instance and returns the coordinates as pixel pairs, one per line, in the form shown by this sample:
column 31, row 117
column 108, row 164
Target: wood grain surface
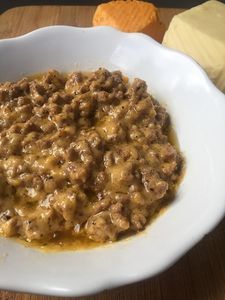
column 200, row 274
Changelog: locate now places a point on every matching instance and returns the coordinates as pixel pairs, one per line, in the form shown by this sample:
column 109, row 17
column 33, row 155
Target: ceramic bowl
column 197, row 110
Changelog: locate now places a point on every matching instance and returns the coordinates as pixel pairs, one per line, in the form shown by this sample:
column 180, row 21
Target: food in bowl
column 83, row 154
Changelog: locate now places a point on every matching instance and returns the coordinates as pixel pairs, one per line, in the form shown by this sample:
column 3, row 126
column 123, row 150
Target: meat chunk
column 53, row 81
column 9, row 227
column 65, row 204
column 86, row 106
column 125, row 152
column 100, row 228
column 73, row 82
column 43, row 225
column 78, row 173
column 166, row 152
column 153, row 183
column 118, row 217
column 138, row 88
column 162, row 117
column 139, row 218
column 122, row 174
column 111, row 131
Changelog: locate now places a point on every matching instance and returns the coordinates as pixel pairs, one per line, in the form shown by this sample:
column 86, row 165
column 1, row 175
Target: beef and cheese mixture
column 82, row 153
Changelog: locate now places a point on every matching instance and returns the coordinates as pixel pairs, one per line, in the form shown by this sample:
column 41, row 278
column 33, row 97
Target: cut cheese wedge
column 200, row 33
column 130, row 16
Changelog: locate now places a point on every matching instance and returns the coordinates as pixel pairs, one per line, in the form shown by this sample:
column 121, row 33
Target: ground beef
column 82, row 153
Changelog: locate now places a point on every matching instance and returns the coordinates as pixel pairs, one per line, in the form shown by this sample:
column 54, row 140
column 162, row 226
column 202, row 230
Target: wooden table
column 200, row 274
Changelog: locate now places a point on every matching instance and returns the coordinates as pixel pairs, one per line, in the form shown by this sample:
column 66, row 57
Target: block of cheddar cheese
column 200, row 33
column 130, row 16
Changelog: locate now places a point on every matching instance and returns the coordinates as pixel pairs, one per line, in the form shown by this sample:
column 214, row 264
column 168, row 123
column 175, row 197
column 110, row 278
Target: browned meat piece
column 108, row 159
column 23, row 100
column 73, row 83
column 13, row 166
column 101, row 75
column 15, row 91
column 100, row 228
column 78, row 173
column 103, row 97
column 53, row 81
column 166, row 152
column 9, row 227
column 62, row 120
column 153, row 183
column 100, row 205
column 31, row 127
column 100, row 181
column 49, row 185
column 86, row 106
column 4, row 95
column 42, row 225
column 6, row 215
column 138, row 89
column 117, row 77
column 119, row 111
column 93, row 138
column 139, row 218
column 162, row 117
column 111, row 131
column 59, row 99
column 24, row 85
column 37, row 93
column 137, row 199
column 65, row 204
column 143, row 109
column 125, row 152
column 121, row 174
column 37, row 183
column 118, row 217
column 83, row 149
column 169, row 168
column 48, row 127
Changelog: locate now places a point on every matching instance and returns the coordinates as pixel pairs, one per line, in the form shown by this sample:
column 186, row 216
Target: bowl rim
column 220, row 212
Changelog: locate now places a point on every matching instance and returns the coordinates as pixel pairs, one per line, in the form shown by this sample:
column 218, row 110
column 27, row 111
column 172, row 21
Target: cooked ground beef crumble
column 84, row 153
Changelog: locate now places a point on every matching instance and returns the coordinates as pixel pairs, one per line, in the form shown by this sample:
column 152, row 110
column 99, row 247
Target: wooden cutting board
column 200, row 274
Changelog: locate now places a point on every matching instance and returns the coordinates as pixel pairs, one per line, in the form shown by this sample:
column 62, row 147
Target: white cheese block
column 200, row 33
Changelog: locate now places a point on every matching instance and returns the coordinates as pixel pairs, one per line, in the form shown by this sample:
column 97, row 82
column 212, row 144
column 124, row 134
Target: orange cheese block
column 130, row 16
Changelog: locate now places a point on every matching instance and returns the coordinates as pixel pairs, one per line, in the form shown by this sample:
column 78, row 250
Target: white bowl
column 198, row 114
